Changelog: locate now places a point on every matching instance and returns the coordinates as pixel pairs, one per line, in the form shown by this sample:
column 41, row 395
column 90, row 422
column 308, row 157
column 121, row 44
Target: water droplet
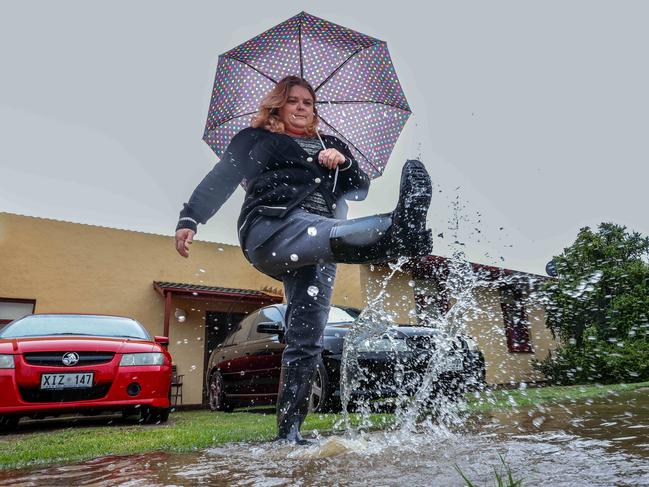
column 312, row 231
column 537, row 422
column 411, row 283
column 201, row 270
column 294, row 257
column 274, row 254
column 312, row 291
column 220, row 249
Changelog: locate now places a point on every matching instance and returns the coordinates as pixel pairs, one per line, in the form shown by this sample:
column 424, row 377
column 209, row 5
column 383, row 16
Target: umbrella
column 359, row 96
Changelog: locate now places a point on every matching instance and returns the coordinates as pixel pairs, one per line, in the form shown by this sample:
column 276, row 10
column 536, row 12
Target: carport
column 216, row 310
column 169, row 290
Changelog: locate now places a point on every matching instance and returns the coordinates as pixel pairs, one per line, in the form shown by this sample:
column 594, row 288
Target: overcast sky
column 532, row 117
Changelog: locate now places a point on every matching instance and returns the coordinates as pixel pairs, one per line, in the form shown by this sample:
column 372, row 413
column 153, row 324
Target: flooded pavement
column 599, row 442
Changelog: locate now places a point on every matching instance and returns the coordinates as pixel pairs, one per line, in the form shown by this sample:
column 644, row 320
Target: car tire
column 216, row 393
column 8, row 423
column 150, row 415
column 321, row 398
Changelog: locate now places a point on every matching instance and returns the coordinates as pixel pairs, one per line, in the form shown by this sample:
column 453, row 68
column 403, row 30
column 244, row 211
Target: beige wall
column 488, row 328
column 398, row 296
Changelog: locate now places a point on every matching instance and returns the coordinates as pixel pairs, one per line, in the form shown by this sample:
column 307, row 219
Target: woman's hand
column 331, row 158
column 184, row 238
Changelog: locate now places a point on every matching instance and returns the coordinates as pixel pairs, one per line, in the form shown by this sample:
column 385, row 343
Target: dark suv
column 245, row 368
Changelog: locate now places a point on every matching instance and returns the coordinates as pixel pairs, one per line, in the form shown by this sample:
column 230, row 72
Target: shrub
column 598, row 361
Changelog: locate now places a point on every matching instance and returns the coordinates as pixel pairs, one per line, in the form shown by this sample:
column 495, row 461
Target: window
column 59, row 324
column 270, row 315
column 266, row 315
column 517, row 326
column 243, row 330
column 12, row 309
column 338, row 315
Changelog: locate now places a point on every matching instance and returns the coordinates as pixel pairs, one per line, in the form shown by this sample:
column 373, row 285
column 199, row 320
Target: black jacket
column 279, row 174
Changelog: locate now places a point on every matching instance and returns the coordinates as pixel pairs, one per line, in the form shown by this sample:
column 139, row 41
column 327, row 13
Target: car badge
column 70, row 358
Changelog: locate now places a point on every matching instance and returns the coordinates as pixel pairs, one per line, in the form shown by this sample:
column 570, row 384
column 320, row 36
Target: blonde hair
column 268, row 115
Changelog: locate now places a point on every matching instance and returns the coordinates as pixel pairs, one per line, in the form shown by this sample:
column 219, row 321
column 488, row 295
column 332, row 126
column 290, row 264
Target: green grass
column 185, row 431
column 503, row 476
column 48, row 443
column 494, row 400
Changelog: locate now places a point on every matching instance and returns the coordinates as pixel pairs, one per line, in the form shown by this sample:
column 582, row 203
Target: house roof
column 430, row 264
column 214, row 292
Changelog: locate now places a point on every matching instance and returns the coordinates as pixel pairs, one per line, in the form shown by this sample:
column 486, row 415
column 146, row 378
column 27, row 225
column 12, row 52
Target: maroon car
column 245, row 368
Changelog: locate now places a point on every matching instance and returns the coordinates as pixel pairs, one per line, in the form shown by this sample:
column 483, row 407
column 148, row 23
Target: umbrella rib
column 344, row 62
column 350, row 143
column 251, row 67
column 232, row 118
column 343, row 102
column 299, row 39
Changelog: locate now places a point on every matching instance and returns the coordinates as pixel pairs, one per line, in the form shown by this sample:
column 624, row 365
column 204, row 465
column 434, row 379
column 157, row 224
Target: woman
column 292, row 224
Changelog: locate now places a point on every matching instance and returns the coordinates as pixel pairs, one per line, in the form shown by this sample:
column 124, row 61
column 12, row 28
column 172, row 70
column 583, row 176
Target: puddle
column 601, row 442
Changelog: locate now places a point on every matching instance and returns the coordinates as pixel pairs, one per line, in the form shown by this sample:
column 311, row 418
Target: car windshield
column 337, row 315
column 83, row 325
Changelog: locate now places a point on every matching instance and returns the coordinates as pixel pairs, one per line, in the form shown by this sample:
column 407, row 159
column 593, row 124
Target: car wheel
column 321, row 398
column 217, row 399
column 8, row 423
column 154, row 415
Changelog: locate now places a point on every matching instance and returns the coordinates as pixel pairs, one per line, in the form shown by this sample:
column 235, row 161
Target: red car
column 53, row 364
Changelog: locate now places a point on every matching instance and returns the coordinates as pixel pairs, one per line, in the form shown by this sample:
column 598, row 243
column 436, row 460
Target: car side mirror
column 272, row 328
column 160, row 340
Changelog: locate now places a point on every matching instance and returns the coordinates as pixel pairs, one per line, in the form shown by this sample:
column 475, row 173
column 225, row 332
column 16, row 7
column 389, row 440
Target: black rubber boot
column 401, row 233
column 293, row 402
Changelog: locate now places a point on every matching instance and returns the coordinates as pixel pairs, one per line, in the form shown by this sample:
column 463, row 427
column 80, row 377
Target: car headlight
column 7, row 362
column 471, row 344
column 383, row 345
column 130, row 359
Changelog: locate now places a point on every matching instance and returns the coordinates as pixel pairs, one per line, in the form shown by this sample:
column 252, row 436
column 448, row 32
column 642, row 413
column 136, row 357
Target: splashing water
column 419, row 395
column 179, row 314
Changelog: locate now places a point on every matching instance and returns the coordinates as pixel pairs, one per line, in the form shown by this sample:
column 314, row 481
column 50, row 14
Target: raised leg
column 300, row 239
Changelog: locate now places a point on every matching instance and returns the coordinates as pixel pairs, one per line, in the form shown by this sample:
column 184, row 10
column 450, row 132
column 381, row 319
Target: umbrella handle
column 336, row 175
column 335, row 180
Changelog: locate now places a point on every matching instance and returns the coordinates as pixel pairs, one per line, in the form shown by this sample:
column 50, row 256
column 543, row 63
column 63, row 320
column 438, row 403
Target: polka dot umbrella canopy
column 360, row 100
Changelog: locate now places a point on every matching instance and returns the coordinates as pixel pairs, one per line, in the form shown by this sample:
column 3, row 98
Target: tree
column 599, row 306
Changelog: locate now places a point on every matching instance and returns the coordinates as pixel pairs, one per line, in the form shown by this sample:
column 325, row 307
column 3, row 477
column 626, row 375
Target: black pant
column 296, row 250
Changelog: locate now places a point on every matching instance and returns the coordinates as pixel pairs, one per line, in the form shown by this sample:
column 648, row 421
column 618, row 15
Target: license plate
column 66, row 381
column 454, row 364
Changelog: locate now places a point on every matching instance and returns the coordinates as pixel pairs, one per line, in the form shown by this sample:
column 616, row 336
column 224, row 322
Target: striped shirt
column 315, row 202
